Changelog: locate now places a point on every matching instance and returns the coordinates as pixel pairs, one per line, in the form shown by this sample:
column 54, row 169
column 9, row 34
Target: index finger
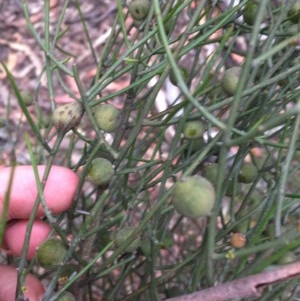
column 58, row 192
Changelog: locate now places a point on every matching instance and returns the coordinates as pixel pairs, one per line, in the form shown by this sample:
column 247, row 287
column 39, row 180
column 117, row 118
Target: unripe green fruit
column 66, row 296
column 101, row 171
column 121, row 237
column 146, row 247
column 51, row 253
column 139, row 9
column 184, row 73
column 66, row 271
column 233, row 189
column 193, row 146
column 294, row 12
column 256, row 198
column 107, row 117
column 173, row 291
column 248, row 173
column 194, row 197
column 193, row 129
column 27, row 98
column 288, row 257
column 45, row 121
column 230, row 80
column 250, row 12
column 210, row 172
column 167, row 240
column 67, row 116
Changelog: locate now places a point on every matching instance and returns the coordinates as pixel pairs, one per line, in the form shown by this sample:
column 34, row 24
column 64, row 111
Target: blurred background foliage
column 230, row 66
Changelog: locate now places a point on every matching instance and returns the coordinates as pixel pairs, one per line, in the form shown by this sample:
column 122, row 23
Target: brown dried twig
column 247, row 287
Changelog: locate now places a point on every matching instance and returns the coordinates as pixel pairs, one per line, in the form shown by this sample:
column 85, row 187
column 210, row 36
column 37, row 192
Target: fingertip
column 33, row 289
column 60, row 189
column 58, row 192
column 15, row 234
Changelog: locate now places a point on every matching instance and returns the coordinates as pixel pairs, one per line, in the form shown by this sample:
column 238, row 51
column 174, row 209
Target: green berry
column 66, row 296
column 231, row 79
column 248, row 173
column 184, row 73
column 193, row 129
column 100, row 172
column 173, row 291
column 27, row 98
column 193, row 146
column 121, row 237
column 250, row 12
column 107, row 117
column 233, row 189
column 194, row 197
column 288, row 257
column 270, row 231
column 45, row 121
column 146, row 247
column 139, row 9
column 294, row 12
column 210, row 172
column 66, row 272
column 51, row 253
column 166, row 239
column 256, row 198
column 67, row 116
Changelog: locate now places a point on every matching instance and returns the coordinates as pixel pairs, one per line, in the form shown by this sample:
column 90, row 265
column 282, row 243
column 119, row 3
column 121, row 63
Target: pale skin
column 59, row 193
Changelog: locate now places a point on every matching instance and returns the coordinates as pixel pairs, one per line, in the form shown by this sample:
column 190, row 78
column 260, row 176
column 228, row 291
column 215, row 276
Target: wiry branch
column 247, row 287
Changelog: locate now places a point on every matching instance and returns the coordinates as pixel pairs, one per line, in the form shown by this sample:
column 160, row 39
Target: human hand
column 58, row 192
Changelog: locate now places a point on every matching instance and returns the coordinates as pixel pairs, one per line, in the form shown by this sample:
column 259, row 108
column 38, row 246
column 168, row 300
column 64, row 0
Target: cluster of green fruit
column 194, row 196
column 68, row 116
column 250, row 12
column 139, row 9
column 51, row 255
column 107, row 118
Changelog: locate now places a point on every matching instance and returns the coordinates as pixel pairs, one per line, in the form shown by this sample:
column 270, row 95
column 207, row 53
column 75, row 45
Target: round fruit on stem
column 139, row 9
column 121, row 236
column 294, row 12
column 233, row 188
column 101, row 171
column 288, row 257
column 248, row 173
column 66, row 272
column 51, row 253
column 193, row 129
column 250, row 12
column 230, row 80
column 210, row 172
column 67, row 116
column 184, row 73
column 238, row 240
column 27, row 98
column 107, row 117
column 166, row 239
column 194, row 197
column 66, row 296
column 146, row 246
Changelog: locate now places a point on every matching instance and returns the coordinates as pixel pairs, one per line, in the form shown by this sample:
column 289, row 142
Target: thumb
column 33, row 289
